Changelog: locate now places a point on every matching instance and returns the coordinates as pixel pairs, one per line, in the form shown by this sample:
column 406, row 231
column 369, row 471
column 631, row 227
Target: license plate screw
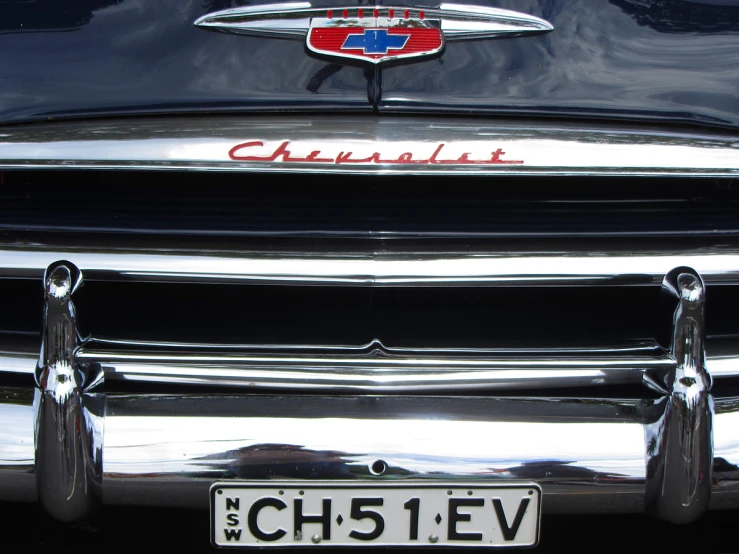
column 316, row 538
column 433, row 538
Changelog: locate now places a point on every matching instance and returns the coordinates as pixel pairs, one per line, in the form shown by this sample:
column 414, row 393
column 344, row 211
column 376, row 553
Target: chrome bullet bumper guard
column 73, row 448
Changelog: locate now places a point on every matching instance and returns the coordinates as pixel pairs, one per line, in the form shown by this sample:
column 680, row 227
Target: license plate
column 314, row 514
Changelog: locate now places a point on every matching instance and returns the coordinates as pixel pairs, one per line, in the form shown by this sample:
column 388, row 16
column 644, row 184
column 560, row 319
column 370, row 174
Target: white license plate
column 378, row 514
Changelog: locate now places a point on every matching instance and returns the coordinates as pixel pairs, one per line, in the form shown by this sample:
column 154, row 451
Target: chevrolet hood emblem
column 374, row 34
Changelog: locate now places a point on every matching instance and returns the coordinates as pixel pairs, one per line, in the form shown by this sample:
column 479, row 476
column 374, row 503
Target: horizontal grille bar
column 718, row 265
column 379, row 369
column 375, row 146
column 402, row 371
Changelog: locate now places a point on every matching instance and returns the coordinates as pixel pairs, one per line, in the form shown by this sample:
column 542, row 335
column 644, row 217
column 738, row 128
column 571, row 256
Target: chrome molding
column 717, row 265
column 376, row 368
column 279, row 20
column 375, row 145
column 432, row 370
column 470, row 22
column 722, row 357
column 369, row 368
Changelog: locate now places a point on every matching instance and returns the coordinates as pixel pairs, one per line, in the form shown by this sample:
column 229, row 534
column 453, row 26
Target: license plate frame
column 525, row 530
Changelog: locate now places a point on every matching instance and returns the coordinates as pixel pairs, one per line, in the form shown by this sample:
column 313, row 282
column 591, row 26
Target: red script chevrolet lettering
column 240, row 152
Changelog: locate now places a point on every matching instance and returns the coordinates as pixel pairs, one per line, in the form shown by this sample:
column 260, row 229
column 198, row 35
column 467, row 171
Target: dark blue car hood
column 673, row 60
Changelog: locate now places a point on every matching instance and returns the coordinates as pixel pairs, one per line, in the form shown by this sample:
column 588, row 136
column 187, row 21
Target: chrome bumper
column 72, row 448
column 165, row 450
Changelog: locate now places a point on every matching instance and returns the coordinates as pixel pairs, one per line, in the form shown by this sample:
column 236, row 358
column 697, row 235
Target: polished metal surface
column 280, row 20
column 221, row 370
column 67, row 463
column 572, row 450
column 402, row 371
column 17, row 456
column 374, row 367
column 681, row 441
column 543, row 267
column 589, row 457
column 185, row 363
column 471, row 22
column 376, row 145
column 725, row 453
column 722, row 357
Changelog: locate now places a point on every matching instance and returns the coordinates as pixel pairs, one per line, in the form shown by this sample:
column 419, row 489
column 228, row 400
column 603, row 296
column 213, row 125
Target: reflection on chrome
column 377, row 368
column 65, row 471
column 430, row 370
column 726, row 453
column 588, row 455
column 469, row 448
column 337, row 438
column 717, row 265
column 321, row 144
column 681, row 441
column 17, row 457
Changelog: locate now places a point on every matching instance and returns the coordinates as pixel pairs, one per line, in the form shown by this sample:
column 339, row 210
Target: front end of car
column 368, row 275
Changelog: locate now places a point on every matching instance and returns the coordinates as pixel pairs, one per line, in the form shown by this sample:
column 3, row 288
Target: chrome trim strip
column 293, row 20
column 723, row 366
column 166, row 450
column 375, row 145
column 398, row 374
column 722, row 357
column 467, row 22
column 719, row 265
column 66, row 453
column 280, row 20
column 374, row 367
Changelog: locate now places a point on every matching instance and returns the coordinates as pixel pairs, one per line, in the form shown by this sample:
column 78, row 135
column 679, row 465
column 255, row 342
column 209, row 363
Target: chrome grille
column 220, row 318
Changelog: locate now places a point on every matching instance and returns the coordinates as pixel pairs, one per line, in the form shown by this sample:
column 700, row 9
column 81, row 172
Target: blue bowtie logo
column 375, row 41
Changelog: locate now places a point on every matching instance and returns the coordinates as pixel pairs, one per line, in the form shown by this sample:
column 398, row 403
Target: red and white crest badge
column 375, row 35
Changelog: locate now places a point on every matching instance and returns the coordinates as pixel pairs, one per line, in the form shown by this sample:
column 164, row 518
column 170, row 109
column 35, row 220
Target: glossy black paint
column 87, row 57
column 638, row 59
column 642, row 59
